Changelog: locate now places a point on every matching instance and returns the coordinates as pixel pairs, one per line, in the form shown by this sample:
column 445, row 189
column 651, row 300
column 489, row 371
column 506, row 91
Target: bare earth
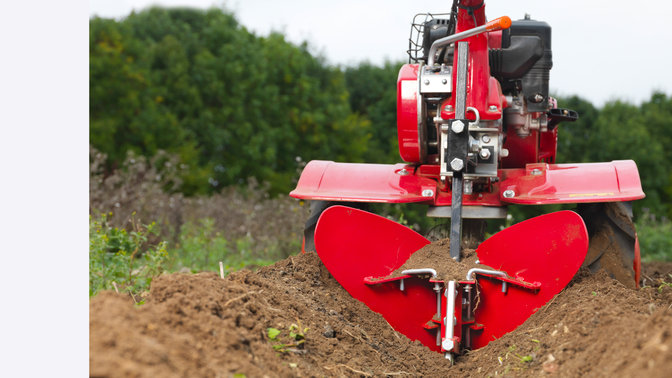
column 203, row 326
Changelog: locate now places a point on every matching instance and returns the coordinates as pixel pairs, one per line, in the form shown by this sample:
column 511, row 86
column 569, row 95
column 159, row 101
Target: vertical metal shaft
column 460, row 113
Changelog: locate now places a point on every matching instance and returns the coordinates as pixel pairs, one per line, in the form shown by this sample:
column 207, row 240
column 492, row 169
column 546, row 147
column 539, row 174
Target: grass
column 655, row 237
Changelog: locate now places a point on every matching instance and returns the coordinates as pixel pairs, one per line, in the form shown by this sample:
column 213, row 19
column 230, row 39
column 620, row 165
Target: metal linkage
column 458, row 144
column 448, row 343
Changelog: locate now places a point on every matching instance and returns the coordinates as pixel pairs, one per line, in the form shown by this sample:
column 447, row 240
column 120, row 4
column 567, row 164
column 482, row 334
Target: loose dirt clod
column 437, row 256
column 203, row 326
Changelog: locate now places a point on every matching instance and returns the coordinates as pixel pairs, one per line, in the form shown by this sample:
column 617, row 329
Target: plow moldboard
column 354, row 244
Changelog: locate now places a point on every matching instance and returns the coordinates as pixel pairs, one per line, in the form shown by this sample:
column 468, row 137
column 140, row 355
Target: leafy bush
column 655, row 237
column 122, row 260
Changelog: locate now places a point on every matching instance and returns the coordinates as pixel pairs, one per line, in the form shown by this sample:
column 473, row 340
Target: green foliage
column 620, row 131
column 655, row 237
column 201, row 248
column 273, row 333
column 296, row 337
column 231, row 104
column 122, row 258
column 373, row 94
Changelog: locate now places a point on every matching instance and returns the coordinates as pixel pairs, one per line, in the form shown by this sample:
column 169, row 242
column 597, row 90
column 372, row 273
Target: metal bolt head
column 444, row 81
column 402, row 172
column 457, row 126
column 448, row 108
column 492, row 108
column 536, row 172
column 457, row 164
column 427, row 82
column 485, row 138
column 484, row 154
column 504, row 152
column 428, row 193
column 538, row 97
column 509, row 193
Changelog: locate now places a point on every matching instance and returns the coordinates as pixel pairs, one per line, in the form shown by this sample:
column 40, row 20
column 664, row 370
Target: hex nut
column 485, row 154
column 457, row 164
column 457, row 126
column 509, row 193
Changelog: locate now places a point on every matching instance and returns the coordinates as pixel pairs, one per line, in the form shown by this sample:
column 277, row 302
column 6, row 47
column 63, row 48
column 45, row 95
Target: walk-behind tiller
column 478, row 131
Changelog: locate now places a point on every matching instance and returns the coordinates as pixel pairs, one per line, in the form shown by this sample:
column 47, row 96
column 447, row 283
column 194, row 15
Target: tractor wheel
column 613, row 241
column 316, row 209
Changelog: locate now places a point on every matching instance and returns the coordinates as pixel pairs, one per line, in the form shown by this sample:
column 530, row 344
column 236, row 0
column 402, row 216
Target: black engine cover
column 524, row 62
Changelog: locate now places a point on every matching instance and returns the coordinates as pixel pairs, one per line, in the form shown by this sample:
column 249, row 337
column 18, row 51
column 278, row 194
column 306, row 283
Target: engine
column 511, row 117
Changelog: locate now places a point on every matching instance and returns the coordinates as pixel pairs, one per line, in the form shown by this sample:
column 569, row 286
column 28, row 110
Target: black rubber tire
column 316, row 209
column 612, row 240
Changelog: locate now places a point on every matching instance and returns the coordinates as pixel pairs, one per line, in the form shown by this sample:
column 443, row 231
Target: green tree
column 373, row 93
column 231, row 104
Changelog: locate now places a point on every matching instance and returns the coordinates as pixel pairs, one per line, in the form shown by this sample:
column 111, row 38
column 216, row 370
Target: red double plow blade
column 532, row 261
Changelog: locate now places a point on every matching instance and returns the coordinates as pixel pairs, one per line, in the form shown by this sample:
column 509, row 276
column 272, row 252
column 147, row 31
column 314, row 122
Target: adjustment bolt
column 509, row 193
column 457, row 164
column 485, row 154
column 457, row 126
column 492, row 108
column 485, row 139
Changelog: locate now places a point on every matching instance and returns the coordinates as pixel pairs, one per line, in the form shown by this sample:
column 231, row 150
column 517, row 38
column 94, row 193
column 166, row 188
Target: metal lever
column 494, row 25
column 458, row 187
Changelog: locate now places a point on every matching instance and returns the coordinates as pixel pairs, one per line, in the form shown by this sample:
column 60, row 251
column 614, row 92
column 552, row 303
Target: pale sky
column 602, row 50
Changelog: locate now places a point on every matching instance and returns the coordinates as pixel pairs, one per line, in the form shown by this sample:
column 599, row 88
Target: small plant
column 296, row 336
column 664, row 284
column 524, row 358
column 123, row 260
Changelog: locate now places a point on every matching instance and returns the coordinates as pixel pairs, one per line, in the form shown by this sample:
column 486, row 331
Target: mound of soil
column 202, row 325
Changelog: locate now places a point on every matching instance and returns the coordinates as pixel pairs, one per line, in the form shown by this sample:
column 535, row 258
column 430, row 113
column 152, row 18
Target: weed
column 296, row 338
column 123, row 260
column 664, row 284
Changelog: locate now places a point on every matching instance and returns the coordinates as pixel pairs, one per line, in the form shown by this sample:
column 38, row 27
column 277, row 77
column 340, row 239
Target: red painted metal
column 637, row 262
column 547, row 250
column 478, row 78
column 572, row 183
column 540, row 256
column 407, row 113
column 536, row 184
column 354, row 244
column 329, row 181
